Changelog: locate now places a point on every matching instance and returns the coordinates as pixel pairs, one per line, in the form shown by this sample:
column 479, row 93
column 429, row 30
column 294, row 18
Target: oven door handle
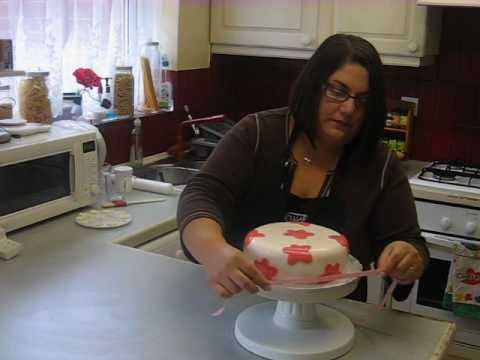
column 446, row 241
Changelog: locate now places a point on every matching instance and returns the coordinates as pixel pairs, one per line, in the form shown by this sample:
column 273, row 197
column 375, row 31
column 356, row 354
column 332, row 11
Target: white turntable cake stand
column 296, row 327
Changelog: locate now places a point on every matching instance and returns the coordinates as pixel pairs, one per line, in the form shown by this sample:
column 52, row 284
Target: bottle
column 33, row 95
column 136, row 150
column 107, row 99
column 123, row 90
column 151, row 51
column 166, row 88
column 7, row 102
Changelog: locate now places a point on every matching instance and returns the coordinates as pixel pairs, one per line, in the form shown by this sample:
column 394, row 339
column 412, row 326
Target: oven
column 448, row 209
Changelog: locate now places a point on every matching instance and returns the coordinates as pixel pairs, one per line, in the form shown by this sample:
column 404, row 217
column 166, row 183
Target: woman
column 320, row 160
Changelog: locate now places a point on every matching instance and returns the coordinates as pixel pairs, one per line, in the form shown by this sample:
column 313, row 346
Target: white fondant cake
column 292, row 249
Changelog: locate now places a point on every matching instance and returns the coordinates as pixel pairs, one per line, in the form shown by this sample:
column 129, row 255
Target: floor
column 451, row 357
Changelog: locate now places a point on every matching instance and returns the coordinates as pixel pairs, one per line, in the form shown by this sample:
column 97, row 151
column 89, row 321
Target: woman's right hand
column 230, row 271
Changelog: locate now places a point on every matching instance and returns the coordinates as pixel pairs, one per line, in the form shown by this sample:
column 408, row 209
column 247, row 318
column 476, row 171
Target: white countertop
column 75, row 294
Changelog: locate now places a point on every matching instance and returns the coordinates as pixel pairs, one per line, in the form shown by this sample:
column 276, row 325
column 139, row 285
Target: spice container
column 34, row 102
column 7, row 102
column 123, row 90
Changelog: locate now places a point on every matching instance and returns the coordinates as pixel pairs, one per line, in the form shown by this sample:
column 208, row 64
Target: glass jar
column 33, row 96
column 123, row 90
column 151, row 51
column 7, row 102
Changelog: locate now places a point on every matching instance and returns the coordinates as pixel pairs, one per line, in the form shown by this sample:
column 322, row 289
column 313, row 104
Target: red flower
column 88, row 78
column 299, row 234
column 267, row 269
column 298, row 253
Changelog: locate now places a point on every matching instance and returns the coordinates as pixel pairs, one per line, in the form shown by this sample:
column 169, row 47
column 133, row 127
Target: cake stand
column 296, row 326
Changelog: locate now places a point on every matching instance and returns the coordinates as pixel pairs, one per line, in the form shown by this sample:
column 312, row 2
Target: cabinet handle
column 306, row 39
column 413, row 46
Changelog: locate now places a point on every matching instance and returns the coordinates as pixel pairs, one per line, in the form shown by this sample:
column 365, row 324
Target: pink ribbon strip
column 388, row 294
column 313, row 280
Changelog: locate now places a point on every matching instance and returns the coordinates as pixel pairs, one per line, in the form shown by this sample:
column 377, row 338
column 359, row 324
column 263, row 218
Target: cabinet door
column 397, row 28
column 265, row 23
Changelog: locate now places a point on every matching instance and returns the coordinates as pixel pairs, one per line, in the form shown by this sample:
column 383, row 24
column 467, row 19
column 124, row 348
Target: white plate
column 12, row 122
column 104, row 218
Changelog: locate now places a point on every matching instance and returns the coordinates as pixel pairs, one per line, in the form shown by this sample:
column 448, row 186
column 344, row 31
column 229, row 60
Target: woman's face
column 341, row 116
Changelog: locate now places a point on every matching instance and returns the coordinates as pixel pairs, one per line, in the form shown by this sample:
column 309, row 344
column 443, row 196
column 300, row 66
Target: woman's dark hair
column 332, row 54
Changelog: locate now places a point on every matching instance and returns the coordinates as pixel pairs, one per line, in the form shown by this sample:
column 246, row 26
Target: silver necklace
column 308, row 160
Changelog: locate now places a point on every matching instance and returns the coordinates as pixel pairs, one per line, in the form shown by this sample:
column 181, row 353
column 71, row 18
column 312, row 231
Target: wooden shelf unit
column 400, row 132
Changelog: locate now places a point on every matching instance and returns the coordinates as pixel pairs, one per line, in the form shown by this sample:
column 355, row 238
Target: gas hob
column 448, row 182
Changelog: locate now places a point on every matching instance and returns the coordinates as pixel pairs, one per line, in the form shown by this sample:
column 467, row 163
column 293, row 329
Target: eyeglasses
column 338, row 94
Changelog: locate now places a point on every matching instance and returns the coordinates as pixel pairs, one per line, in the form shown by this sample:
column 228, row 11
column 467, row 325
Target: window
column 60, row 36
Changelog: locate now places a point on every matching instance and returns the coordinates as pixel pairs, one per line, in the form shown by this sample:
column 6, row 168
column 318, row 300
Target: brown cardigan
column 240, row 188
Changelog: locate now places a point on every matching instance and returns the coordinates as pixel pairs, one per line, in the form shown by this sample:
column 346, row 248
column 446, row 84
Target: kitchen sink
column 178, row 173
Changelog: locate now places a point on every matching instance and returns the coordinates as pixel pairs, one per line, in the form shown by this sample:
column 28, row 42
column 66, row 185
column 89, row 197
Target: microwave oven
column 47, row 174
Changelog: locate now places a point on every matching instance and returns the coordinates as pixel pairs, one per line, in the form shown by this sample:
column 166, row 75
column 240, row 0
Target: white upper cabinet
column 287, row 28
column 402, row 32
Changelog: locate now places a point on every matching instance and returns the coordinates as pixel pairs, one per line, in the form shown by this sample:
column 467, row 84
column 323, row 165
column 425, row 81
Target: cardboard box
column 6, row 54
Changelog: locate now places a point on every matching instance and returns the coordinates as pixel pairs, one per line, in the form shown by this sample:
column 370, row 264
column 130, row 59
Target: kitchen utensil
column 122, row 203
column 121, row 178
column 154, row 186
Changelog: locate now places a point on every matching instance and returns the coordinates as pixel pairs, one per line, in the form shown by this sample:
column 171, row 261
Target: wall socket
column 412, row 100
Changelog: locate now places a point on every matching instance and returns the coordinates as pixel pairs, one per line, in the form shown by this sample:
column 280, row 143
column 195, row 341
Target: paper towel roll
column 154, row 186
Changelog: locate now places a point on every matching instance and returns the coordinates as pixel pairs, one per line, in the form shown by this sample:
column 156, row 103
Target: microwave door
column 34, row 182
column 72, row 174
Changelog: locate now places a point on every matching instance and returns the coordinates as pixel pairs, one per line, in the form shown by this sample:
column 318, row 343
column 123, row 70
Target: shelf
column 11, row 73
column 399, row 130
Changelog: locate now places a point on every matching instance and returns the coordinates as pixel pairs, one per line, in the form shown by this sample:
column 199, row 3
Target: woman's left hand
column 401, row 261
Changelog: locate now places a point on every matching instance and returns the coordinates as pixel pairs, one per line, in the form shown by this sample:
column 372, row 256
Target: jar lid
column 152, row 43
column 37, row 73
column 4, row 87
column 123, row 67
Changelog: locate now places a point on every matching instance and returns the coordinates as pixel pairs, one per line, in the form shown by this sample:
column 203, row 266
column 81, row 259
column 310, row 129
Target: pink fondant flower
column 342, row 240
column 332, row 269
column 267, row 269
column 251, row 236
column 299, row 234
column 298, row 253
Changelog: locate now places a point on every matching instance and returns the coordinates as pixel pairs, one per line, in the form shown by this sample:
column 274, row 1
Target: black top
column 246, row 180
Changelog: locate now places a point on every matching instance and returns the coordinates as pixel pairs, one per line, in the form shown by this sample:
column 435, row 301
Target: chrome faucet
column 179, row 149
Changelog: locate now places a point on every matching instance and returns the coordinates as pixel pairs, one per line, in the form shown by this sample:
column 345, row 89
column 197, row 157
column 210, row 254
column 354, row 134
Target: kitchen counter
column 412, row 167
column 75, row 294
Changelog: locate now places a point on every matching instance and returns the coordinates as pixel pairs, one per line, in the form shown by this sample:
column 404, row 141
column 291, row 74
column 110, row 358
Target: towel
column 462, row 294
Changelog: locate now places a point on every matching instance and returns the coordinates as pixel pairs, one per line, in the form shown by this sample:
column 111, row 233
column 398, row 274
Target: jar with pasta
column 123, row 90
column 33, row 96
column 7, row 102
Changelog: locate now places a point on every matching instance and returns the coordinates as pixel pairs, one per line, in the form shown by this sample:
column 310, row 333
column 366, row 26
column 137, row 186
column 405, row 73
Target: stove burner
column 453, row 173
column 443, row 175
